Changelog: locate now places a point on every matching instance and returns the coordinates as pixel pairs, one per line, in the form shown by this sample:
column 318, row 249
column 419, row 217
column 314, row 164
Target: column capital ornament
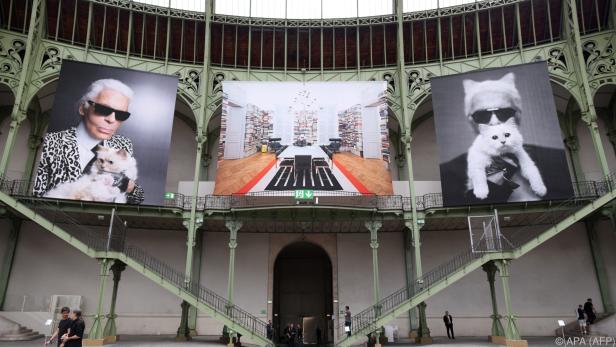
column 572, row 143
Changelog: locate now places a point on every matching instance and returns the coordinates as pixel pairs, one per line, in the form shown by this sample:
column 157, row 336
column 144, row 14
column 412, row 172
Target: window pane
column 232, row 7
column 339, row 8
column 268, row 8
column 303, row 9
column 375, row 7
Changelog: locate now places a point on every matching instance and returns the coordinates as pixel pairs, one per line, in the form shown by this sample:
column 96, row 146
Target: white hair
column 107, row 83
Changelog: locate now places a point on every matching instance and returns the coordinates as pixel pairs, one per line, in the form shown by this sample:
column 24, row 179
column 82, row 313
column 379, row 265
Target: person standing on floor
column 589, row 309
column 448, row 320
column 269, row 330
column 300, row 334
column 581, row 318
column 291, row 335
column 347, row 320
column 74, row 337
column 62, row 328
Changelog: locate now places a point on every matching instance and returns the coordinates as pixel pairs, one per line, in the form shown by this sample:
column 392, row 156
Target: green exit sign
column 169, row 195
column 304, row 194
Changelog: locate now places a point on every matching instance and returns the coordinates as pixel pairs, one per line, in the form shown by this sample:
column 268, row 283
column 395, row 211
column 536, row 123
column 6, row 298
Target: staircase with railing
column 511, row 244
column 111, row 244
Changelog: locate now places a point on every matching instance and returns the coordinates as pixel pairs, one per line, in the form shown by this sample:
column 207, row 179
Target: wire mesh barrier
column 111, row 236
column 365, row 322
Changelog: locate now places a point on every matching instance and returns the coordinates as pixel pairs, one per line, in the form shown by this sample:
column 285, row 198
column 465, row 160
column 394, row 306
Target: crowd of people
column 69, row 332
column 293, row 334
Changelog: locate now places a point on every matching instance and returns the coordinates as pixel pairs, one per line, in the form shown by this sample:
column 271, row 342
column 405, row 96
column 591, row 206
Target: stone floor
column 168, row 341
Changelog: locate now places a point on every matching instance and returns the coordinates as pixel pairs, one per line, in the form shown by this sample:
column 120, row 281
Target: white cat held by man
column 103, row 181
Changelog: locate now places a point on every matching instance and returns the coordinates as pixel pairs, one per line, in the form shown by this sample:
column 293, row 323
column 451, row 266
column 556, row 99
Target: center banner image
column 317, row 137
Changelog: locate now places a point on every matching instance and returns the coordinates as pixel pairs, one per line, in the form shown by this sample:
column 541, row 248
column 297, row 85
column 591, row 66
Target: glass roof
column 306, row 9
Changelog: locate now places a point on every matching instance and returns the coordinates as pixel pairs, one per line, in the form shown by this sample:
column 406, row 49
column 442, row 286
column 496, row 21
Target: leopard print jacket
column 60, row 162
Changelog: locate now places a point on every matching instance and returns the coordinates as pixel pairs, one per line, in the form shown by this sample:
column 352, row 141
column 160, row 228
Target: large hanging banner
column 109, row 135
column 302, row 138
column 499, row 137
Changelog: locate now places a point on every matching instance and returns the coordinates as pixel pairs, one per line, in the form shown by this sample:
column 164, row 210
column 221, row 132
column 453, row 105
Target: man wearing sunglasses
column 69, row 153
column 490, row 103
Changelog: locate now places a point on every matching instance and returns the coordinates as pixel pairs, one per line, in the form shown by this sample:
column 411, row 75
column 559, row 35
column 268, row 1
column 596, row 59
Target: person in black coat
column 589, row 309
column 448, row 320
column 74, row 337
column 269, row 330
column 63, row 326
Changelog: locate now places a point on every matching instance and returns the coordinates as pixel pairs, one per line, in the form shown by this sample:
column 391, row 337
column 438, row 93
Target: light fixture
column 269, row 301
column 335, row 301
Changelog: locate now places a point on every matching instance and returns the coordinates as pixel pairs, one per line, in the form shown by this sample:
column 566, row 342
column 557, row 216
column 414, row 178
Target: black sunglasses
column 484, row 116
column 106, row 110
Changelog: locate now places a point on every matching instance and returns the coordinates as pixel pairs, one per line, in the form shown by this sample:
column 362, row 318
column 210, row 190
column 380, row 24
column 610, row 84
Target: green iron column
column 568, row 124
column 609, row 211
column 38, row 126
column 201, row 138
column 572, row 144
column 9, row 257
column 599, row 265
column 234, row 227
column 374, row 245
column 613, row 14
column 183, row 333
column 589, row 113
column 497, row 326
column 408, row 262
column 374, row 227
column 96, row 331
column 511, row 330
column 23, row 90
column 192, row 224
column 423, row 334
column 110, row 326
column 196, row 277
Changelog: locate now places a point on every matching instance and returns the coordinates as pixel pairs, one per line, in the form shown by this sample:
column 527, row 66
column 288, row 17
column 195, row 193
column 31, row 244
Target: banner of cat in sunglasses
column 108, row 137
column 499, row 138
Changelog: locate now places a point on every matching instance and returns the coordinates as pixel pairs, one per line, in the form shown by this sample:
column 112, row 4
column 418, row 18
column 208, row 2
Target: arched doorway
column 303, row 290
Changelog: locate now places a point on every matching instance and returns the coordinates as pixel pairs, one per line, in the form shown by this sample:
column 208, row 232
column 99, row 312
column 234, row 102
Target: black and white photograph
column 498, row 137
column 108, row 137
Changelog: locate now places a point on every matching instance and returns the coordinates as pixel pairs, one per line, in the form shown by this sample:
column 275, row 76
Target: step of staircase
column 12, row 331
column 21, row 337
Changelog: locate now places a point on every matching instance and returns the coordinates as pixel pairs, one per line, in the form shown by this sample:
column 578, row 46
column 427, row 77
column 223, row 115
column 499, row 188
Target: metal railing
column 112, row 237
column 365, row 321
column 582, row 190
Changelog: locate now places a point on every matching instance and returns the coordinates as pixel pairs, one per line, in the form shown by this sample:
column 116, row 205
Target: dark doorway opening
column 303, row 291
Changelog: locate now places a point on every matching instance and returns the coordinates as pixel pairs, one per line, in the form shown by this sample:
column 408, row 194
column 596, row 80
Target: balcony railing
column 268, row 199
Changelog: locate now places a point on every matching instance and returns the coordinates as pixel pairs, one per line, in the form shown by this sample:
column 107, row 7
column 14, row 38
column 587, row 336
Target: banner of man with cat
column 108, row 137
column 498, row 137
